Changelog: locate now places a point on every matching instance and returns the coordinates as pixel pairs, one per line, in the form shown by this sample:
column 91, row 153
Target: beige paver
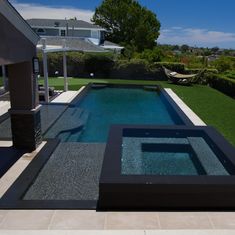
column 132, row 220
column 5, row 143
column 12, row 174
column 222, row 220
column 67, row 97
column 3, row 213
column 184, row 220
column 190, row 232
column 72, row 232
column 4, row 107
column 83, row 219
column 27, row 219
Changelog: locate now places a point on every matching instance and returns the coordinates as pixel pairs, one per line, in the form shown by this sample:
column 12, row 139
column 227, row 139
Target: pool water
column 89, row 120
column 169, row 156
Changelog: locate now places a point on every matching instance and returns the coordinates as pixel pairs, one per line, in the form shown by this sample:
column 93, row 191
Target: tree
column 215, row 50
column 184, row 48
column 128, row 23
column 223, row 64
column 151, row 56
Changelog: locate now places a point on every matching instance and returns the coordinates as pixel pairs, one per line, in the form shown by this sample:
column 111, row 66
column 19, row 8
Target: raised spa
column 147, row 168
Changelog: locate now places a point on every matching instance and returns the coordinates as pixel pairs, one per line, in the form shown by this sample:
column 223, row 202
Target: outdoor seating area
column 41, row 92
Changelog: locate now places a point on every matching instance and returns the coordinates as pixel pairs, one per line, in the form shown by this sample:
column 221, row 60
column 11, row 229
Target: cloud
column 198, row 37
column 31, row 10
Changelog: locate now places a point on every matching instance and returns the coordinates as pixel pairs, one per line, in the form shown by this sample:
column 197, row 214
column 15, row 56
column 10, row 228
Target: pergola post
column 45, row 71
column 25, row 111
column 65, row 67
column 4, row 77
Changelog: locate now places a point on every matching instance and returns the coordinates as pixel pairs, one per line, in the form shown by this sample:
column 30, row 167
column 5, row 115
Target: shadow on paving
column 49, row 114
column 8, row 156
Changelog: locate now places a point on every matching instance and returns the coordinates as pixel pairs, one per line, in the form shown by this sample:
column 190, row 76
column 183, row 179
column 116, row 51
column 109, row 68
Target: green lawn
column 213, row 107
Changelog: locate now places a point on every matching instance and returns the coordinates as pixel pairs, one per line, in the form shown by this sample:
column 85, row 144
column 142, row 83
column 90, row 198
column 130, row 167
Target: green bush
column 223, row 64
column 103, row 65
column 79, row 64
column 151, row 56
column 131, row 69
column 221, row 83
column 177, row 67
column 100, row 65
column 230, row 74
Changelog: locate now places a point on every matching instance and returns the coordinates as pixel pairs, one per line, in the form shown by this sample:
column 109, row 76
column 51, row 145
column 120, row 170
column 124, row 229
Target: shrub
column 177, row 67
column 221, row 83
column 133, row 69
column 151, row 56
column 223, row 64
column 100, row 65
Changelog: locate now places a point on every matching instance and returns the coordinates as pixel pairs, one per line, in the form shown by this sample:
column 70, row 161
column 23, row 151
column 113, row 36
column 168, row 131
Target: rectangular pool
column 90, row 116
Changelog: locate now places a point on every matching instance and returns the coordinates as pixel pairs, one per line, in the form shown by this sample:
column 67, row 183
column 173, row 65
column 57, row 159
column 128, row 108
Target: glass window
column 62, row 33
column 41, row 31
column 95, row 34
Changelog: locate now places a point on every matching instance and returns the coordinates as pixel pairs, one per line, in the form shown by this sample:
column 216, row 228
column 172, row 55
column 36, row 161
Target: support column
column 65, row 67
column 45, row 71
column 24, row 112
column 65, row 71
column 4, row 77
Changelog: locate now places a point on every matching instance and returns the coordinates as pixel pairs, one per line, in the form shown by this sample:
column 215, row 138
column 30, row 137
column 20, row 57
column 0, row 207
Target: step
column 206, row 156
column 83, row 121
column 69, row 124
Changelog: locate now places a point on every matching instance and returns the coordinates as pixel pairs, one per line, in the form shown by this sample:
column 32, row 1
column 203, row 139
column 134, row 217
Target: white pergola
column 53, row 48
column 49, row 49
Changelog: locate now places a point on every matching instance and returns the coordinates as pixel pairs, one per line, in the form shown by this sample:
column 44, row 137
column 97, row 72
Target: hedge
column 103, row 65
column 132, row 69
column 221, row 83
column 177, row 67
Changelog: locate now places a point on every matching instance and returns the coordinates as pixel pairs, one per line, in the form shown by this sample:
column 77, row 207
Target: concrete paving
column 67, row 97
column 4, row 107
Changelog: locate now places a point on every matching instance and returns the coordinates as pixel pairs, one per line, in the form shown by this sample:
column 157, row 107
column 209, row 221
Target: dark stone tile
column 71, row 173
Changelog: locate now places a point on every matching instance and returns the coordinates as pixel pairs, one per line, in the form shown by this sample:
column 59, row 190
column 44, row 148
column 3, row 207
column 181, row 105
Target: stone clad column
column 25, row 109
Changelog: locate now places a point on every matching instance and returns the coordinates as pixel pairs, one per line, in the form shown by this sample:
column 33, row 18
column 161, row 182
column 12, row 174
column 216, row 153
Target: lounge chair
column 41, row 92
column 182, row 79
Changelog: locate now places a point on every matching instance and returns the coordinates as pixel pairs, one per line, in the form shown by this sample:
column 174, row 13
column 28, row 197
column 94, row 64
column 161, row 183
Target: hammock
column 184, row 79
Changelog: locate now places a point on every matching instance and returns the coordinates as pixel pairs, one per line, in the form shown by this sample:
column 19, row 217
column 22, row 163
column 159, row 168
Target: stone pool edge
column 197, row 121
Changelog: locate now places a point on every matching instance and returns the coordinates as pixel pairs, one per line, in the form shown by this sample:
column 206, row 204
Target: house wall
column 48, row 32
column 80, row 33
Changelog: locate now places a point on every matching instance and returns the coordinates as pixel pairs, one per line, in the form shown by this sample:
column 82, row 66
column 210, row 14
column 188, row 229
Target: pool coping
column 195, row 119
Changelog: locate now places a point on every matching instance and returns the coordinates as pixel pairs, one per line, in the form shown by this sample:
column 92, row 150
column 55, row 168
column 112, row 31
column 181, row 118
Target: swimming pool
column 89, row 118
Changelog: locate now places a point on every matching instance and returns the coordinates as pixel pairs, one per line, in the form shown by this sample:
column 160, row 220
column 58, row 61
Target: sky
column 206, row 23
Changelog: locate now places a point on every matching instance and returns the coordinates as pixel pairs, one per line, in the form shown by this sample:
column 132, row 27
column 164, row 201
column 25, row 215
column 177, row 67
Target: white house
column 55, row 30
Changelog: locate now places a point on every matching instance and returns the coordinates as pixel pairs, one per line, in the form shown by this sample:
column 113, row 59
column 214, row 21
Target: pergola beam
column 65, row 67
column 45, row 72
